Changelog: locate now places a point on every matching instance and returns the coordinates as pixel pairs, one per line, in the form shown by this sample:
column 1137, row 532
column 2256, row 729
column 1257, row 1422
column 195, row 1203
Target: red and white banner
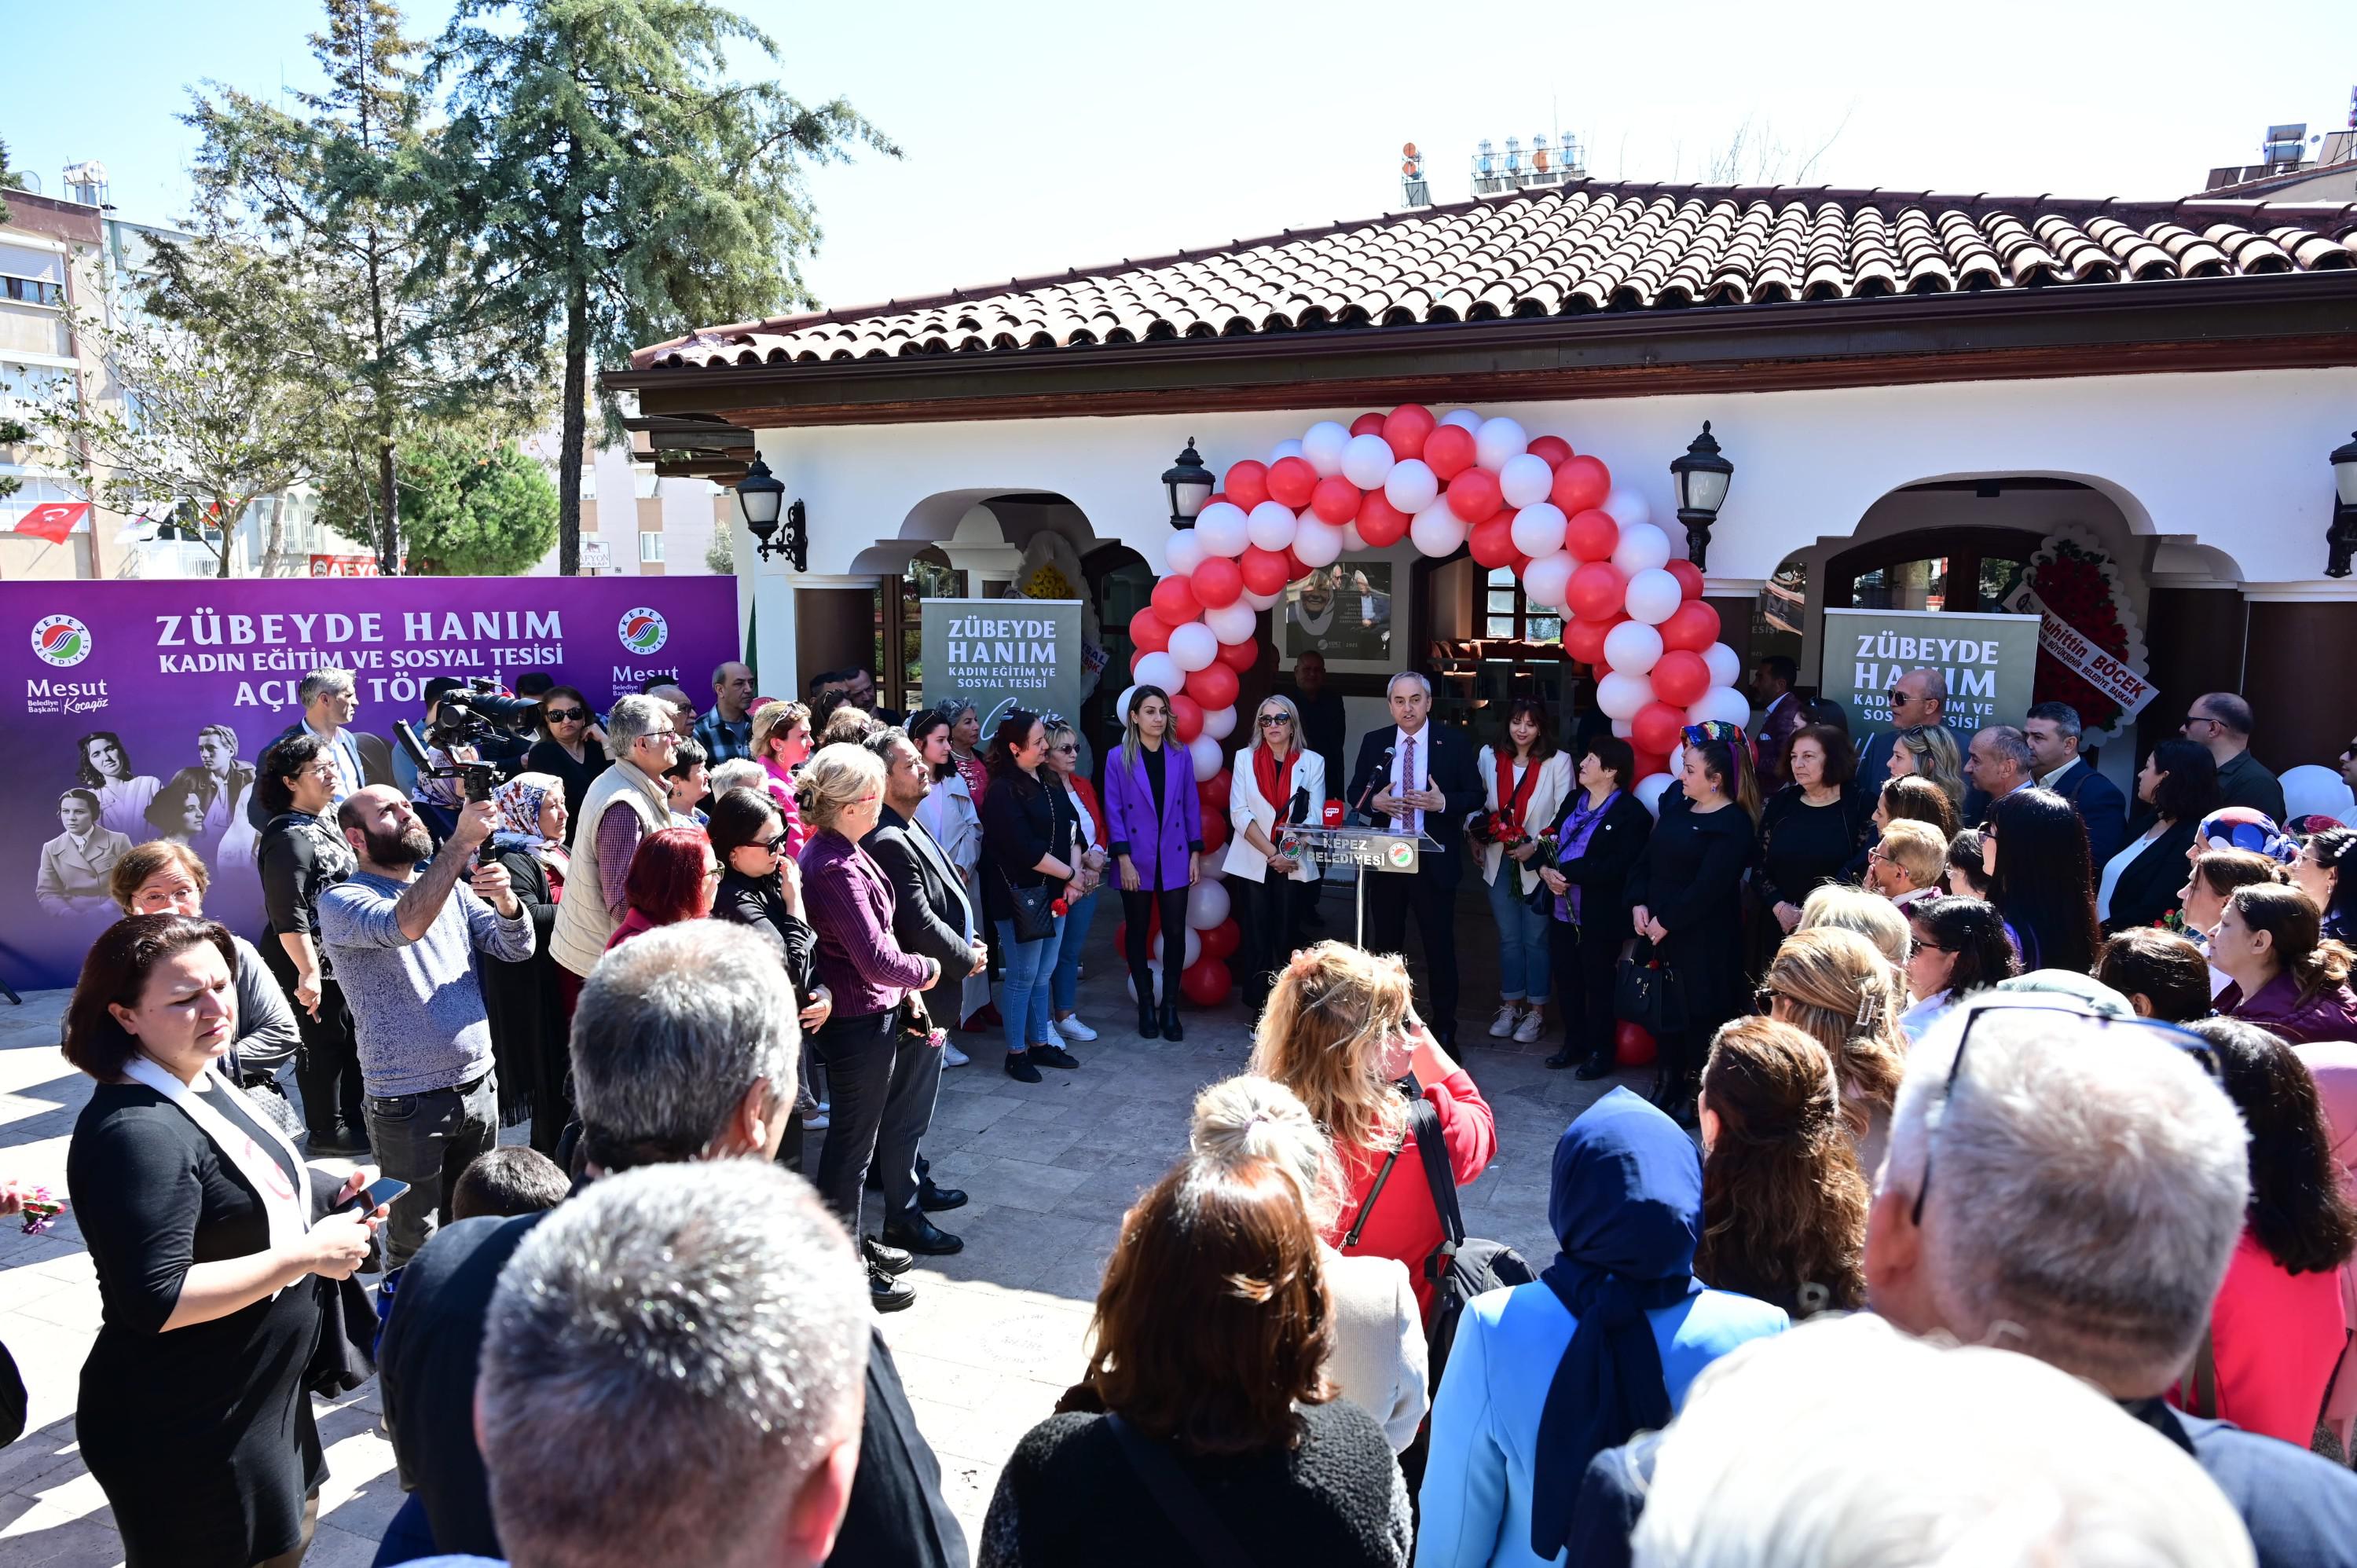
column 52, row 521
column 2106, row 672
column 344, row 566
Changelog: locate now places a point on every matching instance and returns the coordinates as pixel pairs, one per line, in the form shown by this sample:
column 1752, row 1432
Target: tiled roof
column 1566, row 252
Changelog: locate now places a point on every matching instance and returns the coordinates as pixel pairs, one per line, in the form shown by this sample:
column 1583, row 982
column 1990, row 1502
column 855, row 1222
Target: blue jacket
column 1475, row 1500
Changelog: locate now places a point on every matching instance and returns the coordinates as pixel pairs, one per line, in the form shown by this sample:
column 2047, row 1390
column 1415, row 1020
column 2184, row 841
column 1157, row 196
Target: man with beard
column 402, row 935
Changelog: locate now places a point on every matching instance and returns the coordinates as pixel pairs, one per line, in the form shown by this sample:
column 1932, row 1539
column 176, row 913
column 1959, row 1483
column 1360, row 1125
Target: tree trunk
column 573, row 436
column 388, row 500
column 274, row 541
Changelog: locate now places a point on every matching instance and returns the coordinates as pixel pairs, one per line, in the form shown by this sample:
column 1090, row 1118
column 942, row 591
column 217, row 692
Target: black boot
column 1595, row 1067
column 1148, row 1026
column 1172, row 1028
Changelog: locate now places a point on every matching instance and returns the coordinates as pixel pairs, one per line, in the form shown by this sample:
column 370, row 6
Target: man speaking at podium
column 1418, row 778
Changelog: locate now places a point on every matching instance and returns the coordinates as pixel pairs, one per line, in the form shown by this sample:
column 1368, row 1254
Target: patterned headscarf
column 2242, row 827
column 519, row 802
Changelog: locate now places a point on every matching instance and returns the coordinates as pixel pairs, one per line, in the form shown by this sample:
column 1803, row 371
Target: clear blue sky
column 1040, row 137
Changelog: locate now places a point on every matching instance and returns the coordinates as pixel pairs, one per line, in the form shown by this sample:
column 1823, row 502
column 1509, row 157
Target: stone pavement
column 998, row 1331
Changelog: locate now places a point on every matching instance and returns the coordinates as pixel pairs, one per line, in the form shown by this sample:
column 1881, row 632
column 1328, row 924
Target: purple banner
column 157, row 697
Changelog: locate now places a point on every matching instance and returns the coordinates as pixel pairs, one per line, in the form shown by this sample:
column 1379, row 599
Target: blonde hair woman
column 1340, row 1031
column 781, row 743
column 1870, row 915
column 1929, row 751
column 1271, row 773
column 1837, row 987
column 1378, row 1357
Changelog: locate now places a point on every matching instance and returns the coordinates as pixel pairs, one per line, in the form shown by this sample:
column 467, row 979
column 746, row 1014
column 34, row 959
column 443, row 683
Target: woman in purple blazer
column 1154, row 824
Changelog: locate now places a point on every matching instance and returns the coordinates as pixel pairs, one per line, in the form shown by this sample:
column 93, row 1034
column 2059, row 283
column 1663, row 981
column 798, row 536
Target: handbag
column 267, row 1098
column 1032, row 919
column 1646, row 991
column 1462, row 1266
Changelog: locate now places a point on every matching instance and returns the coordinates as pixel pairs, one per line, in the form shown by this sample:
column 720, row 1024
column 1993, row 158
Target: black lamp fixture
column 1703, row 476
column 759, row 496
column 2340, row 536
column 1190, row 485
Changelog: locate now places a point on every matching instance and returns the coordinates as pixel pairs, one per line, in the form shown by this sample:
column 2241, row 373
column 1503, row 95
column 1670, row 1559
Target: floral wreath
column 2076, row 579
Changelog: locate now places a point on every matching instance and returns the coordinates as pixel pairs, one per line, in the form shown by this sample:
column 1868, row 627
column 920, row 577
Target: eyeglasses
column 663, row 737
column 1874, row 852
column 2349, row 751
column 1763, row 999
column 712, row 871
column 567, row 716
column 2170, row 1035
column 776, row 842
column 2193, row 719
column 1275, row 721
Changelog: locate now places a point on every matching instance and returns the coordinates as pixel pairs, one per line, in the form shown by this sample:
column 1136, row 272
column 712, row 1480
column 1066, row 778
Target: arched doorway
column 1933, row 569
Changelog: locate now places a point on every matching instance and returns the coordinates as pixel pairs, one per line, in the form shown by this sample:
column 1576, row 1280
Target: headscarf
column 519, row 802
column 1625, row 1204
column 2244, row 827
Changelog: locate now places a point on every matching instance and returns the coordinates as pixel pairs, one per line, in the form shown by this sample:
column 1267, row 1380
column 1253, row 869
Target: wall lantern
column 759, row 496
column 1190, row 485
column 1702, row 476
column 2341, row 537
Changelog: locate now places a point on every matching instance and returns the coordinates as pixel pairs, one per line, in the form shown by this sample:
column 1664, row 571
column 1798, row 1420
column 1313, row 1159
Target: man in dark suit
column 2052, row 731
column 1917, row 697
column 1784, row 714
column 2221, row 721
column 931, row 916
column 330, row 698
column 1418, row 776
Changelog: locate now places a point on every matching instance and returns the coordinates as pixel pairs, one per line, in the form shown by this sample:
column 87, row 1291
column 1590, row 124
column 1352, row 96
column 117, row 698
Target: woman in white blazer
column 1271, row 774
column 1523, row 783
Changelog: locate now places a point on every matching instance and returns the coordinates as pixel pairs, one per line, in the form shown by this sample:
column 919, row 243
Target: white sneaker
column 1534, row 1023
column 1072, row 1028
column 1508, row 1015
column 815, row 1121
column 952, row 1056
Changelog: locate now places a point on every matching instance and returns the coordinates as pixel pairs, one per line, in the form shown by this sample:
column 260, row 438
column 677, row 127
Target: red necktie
column 1407, row 820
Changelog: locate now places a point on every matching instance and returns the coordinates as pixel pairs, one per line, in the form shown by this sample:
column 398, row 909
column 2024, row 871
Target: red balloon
column 1655, row 728
column 1175, row 601
column 1408, row 427
column 1520, row 560
column 1367, row 424
column 1689, row 577
column 1186, row 717
column 1264, row 570
column 1651, row 762
column 1296, row 568
column 1214, row 686
column 1632, row 1045
column 1290, row 480
column 1553, row 448
column 1584, row 638
column 1474, row 495
column 1380, row 522
column 1223, row 939
column 1217, row 582
column 1681, row 676
column 1591, row 535
column 1494, row 541
column 1580, row 483
column 1693, row 626
column 1596, row 591
column 1208, row 983
column 1216, row 832
column 1136, row 657
column 1448, row 456
column 1239, row 656
column 1247, row 484
column 1335, row 501
column 1213, row 793
column 1149, row 631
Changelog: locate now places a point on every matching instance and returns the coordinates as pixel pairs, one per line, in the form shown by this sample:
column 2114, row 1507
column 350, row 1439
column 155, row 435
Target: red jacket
column 1088, row 794
column 1405, row 1224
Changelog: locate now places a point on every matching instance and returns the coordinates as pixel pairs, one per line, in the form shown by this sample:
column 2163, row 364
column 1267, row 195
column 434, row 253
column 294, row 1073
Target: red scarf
column 1512, row 800
column 1275, row 783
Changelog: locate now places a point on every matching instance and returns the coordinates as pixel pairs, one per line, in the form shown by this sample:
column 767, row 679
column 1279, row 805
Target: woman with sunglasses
column 572, row 746
column 1064, row 984
column 762, row 886
column 1276, row 781
column 1957, row 946
column 1523, row 783
column 1686, row 902
column 1930, row 751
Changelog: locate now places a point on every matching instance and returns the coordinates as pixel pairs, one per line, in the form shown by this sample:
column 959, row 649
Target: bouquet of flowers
column 1498, row 828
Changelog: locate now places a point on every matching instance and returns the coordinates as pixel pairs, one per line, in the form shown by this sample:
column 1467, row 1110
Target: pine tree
column 601, row 163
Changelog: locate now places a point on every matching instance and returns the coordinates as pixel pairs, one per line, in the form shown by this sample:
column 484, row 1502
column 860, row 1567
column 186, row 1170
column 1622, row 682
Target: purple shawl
column 1578, row 826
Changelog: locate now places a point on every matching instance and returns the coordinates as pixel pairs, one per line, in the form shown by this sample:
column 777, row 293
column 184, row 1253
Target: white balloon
column 1208, row 760
column 1367, row 461
column 1525, row 479
column 1193, row 646
column 1632, row 646
column 1323, row 443
column 1495, row 440
column 1232, row 623
column 1316, row 543
column 1153, row 975
column 1628, row 507
column 1183, row 553
column 1678, row 760
column 1221, row 723
column 1207, row 904
column 1624, row 728
column 1353, row 540
column 1654, row 596
column 1463, row 416
column 1258, row 602
column 1159, row 669
column 1282, row 450
column 1194, row 948
column 1546, row 579
column 1642, row 547
column 1649, row 794
column 1724, row 703
column 1223, row 528
column 1725, row 664
column 1538, row 530
column 1436, row 530
column 1411, row 485
column 1621, row 696
column 1271, row 525
column 1121, row 704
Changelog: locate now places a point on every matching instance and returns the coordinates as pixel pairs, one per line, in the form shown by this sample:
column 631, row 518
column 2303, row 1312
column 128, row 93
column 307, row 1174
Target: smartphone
column 374, row 1196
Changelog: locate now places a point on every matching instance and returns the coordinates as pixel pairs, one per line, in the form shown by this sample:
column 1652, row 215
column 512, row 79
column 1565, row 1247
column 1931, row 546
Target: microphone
column 1383, row 773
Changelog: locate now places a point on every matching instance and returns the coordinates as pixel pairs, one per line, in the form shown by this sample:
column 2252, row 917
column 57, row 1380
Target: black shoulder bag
column 1180, row 1500
column 1461, row 1267
column 1645, row 991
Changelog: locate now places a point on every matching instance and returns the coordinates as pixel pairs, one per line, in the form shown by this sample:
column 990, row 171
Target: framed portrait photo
column 1343, row 611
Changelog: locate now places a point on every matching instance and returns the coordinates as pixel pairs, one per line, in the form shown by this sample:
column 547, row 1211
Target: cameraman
column 459, row 715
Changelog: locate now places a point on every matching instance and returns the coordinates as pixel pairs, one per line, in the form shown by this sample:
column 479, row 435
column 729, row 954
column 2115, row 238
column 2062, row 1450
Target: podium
column 1369, row 849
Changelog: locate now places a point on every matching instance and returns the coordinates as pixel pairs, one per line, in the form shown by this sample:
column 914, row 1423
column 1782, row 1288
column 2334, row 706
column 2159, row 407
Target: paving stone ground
column 998, row 1331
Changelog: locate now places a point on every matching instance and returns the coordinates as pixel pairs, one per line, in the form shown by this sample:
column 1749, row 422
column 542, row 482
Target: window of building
column 1508, row 613
column 650, row 547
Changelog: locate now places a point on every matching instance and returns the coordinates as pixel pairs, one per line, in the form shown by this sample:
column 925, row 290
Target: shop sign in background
column 1002, row 653
column 192, row 678
column 1990, row 661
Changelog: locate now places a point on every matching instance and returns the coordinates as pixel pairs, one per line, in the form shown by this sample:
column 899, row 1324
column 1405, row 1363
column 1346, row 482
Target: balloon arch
column 1577, row 545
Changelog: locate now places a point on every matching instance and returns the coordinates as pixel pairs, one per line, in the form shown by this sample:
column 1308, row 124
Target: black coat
column 760, row 902
column 1449, row 768
column 2149, row 885
column 1602, row 872
column 529, row 1039
column 2101, row 806
column 928, row 900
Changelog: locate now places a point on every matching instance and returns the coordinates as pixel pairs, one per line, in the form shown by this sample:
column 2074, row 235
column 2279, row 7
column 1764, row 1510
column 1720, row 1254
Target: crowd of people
column 2123, row 1031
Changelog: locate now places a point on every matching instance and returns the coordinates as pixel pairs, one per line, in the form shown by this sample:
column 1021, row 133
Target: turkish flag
column 52, row 521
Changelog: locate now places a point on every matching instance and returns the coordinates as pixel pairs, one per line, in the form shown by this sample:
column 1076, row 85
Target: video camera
column 463, row 718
